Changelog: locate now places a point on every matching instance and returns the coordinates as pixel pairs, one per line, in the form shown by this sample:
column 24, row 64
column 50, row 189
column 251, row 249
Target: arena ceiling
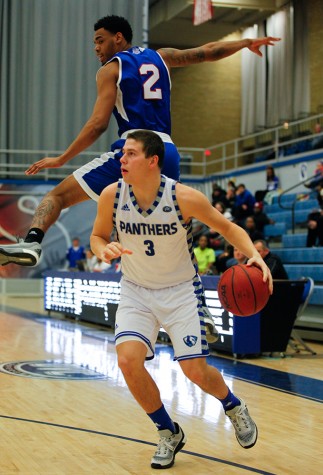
column 171, row 21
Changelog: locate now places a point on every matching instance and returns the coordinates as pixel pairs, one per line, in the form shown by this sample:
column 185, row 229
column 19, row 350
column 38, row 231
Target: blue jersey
column 143, row 91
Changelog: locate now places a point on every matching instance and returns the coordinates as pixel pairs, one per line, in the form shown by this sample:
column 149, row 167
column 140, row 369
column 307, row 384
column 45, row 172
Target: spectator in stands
column 205, row 256
column 75, row 253
column 250, row 227
column 315, row 228
column 222, row 259
column 260, row 217
column 231, row 194
column 317, row 142
column 217, row 241
column 101, row 266
column 238, row 258
column 243, row 205
column 273, row 262
column 316, row 183
column 218, row 194
column 88, row 263
column 223, row 210
column 272, row 185
column 198, row 229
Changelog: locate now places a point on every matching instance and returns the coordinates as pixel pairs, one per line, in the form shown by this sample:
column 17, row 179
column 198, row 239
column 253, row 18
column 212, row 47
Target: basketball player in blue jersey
column 133, row 84
column 160, row 286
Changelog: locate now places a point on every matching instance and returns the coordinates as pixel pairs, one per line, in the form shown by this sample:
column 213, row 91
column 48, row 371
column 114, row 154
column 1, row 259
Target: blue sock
column 162, row 420
column 230, row 401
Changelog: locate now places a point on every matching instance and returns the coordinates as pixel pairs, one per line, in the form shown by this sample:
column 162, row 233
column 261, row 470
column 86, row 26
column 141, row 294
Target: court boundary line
column 130, row 439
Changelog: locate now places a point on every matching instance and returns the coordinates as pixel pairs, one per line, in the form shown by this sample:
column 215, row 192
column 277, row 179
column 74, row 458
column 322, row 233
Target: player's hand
column 259, row 262
column 47, row 162
column 256, row 43
column 113, row 250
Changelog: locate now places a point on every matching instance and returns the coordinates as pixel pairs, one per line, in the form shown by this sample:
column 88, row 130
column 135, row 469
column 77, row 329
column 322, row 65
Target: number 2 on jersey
column 149, row 91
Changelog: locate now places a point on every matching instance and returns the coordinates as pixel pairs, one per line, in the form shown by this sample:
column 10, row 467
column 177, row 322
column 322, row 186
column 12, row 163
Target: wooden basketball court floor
column 65, row 408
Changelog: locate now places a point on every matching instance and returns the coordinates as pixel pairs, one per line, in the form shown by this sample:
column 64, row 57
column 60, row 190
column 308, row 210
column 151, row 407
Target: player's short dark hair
column 152, row 144
column 115, row 24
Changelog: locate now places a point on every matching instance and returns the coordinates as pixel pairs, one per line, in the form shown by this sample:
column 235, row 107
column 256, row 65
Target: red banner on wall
column 202, row 11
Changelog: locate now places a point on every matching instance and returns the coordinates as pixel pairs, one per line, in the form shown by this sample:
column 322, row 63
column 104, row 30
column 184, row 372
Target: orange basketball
column 242, row 291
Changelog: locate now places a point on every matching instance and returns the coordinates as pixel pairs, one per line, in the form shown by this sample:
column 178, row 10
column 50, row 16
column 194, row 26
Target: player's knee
column 128, row 361
column 195, row 374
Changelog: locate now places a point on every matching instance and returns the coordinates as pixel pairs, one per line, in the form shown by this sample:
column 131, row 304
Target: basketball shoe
column 212, row 334
column 245, row 427
column 23, row 253
column 169, row 444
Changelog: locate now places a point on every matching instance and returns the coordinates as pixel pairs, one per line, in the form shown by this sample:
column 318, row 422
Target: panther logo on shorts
column 190, row 340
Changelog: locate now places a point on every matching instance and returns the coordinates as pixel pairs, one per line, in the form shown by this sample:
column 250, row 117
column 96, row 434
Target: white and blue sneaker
column 23, row 253
column 244, row 426
column 169, row 444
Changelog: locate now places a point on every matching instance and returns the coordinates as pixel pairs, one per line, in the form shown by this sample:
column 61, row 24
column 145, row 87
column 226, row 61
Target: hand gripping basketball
column 242, row 291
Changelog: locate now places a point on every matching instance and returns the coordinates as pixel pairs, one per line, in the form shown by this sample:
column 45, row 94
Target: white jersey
column 160, row 240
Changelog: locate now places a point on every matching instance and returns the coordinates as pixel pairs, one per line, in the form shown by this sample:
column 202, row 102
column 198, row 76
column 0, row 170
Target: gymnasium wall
column 315, row 15
column 206, row 101
column 206, row 98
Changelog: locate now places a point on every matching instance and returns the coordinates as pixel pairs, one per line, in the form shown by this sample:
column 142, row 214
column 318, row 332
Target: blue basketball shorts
column 94, row 176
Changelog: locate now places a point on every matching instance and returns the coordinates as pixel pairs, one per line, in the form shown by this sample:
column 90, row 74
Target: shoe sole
column 20, row 258
column 178, row 448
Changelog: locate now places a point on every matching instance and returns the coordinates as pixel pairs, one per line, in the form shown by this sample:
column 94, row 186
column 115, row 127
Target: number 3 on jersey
column 150, row 247
column 149, row 91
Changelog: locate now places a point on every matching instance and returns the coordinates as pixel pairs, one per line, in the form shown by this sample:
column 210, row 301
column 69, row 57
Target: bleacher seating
column 294, row 240
column 274, row 230
column 299, row 260
column 307, row 255
column 296, row 271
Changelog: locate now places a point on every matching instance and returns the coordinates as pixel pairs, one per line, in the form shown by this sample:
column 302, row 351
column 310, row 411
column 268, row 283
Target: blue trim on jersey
column 139, row 335
column 115, row 204
column 155, row 203
column 189, row 357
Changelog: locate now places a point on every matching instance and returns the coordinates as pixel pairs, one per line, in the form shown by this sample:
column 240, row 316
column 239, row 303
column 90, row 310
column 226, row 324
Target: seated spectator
column 198, row 229
column 317, row 142
column 272, row 185
column 273, row 262
column 223, row 210
column 260, row 218
column 100, row 266
column 317, row 180
column 230, row 194
column 238, row 258
column 222, row 259
column 88, row 263
column 243, row 205
column 218, row 194
column 205, row 256
column 217, row 241
column 315, row 228
column 74, row 254
column 250, row 227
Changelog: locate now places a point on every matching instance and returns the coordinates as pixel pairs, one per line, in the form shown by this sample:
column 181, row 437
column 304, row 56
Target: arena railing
column 200, row 162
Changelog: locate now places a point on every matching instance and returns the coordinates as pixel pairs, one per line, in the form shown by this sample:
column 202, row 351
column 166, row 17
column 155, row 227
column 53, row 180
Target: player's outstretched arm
column 94, row 127
column 213, row 51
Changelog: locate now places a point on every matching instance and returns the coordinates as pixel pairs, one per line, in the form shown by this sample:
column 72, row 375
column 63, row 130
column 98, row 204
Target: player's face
column 134, row 164
column 104, row 45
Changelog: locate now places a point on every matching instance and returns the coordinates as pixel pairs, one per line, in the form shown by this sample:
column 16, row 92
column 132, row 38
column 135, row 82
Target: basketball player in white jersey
column 160, row 285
